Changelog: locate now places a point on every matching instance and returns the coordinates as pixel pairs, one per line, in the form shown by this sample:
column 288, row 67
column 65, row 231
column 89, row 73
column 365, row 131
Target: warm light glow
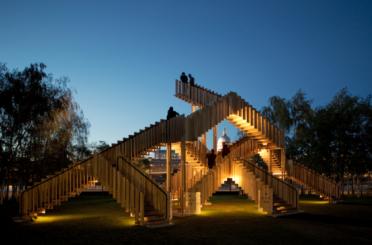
column 45, row 219
column 314, row 202
column 236, row 179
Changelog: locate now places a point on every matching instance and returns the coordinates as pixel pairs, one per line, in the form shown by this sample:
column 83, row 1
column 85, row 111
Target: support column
column 270, row 160
column 183, row 171
column 215, row 139
column 283, row 161
column 168, row 167
column 204, row 142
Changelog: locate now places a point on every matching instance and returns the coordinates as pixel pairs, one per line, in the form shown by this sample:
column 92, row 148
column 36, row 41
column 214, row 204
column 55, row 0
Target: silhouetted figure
column 225, row 150
column 191, row 80
column 171, row 113
column 211, row 157
column 183, row 78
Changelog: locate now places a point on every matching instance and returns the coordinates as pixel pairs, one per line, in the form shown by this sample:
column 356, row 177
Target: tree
column 278, row 112
column 100, row 146
column 41, row 126
column 334, row 139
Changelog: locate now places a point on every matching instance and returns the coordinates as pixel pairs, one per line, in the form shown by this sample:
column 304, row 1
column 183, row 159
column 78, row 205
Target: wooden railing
column 213, row 179
column 55, row 189
column 196, row 150
column 244, row 148
column 313, row 180
column 71, row 181
column 196, row 95
column 127, row 184
column 232, row 106
column 281, row 189
column 142, row 184
column 135, row 145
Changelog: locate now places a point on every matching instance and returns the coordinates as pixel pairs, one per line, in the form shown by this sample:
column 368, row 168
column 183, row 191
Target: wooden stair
column 281, row 208
column 153, row 218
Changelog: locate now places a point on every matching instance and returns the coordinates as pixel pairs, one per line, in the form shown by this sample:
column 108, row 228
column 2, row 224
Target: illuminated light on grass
column 231, row 208
column 314, row 202
column 57, row 218
column 47, row 219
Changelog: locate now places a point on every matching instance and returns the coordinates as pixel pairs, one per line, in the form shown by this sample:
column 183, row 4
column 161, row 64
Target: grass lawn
column 97, row 219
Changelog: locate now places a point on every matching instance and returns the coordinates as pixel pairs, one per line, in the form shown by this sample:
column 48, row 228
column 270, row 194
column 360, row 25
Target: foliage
column 335, row 139
column 42, row 128
column 98, row 147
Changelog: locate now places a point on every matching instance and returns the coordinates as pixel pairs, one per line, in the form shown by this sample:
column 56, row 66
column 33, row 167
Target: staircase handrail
column 315, row 180
column 281, row 189
column 150, row 189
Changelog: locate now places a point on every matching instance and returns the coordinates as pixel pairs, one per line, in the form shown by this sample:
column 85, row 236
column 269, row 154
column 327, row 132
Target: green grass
column 98, row 219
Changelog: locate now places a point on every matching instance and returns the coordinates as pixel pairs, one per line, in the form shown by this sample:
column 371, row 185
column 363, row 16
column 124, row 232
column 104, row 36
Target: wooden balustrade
column 281, row 189
column 313, row 180
column 58, row 188
column 230, row 106
column 196, row 151
column 199, row 150
column 171, row 130
column 142, row 183
column 196, row 95
column 131, row 187
column 127, row 184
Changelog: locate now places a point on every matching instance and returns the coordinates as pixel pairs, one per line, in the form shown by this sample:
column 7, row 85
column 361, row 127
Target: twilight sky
column 122, row 57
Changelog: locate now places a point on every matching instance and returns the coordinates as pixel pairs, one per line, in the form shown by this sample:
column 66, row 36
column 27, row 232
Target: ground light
column 72, row 218
column 230, row 206
column 315, row 202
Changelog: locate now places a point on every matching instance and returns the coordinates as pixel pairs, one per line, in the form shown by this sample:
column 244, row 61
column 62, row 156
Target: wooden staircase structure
column 251, row 122
column 149, row 203
column 131, row 187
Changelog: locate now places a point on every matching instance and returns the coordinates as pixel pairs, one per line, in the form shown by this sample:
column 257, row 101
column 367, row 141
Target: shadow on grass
column 329, row 219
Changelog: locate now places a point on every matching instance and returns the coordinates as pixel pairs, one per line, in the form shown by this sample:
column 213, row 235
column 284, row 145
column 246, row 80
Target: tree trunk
column 352, row 185
column 360, row 180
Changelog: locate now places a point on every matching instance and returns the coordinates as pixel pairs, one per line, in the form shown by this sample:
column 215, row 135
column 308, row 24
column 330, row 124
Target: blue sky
column 122, row 57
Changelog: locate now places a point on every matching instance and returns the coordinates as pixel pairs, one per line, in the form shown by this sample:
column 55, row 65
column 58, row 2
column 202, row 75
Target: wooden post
column 282, row 161
column 215, row 139
column 168, row 167
column 142, row 209
column 204, row 143
column 183, row 171
column 270, row 160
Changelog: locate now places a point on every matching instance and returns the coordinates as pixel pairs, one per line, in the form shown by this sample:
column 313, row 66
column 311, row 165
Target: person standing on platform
column 183, row 78
column 191, row 80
